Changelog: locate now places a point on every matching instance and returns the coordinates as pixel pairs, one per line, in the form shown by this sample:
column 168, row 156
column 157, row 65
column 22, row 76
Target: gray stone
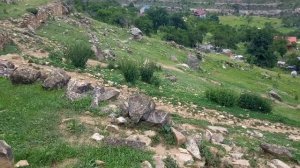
column 104, row 94
column 193, row 148
column 24, row 75
column 217, row 138
column 140, row 107
column 6, row 155
column 276, row 150
column 57, row 79
column 193, row 61
column 146, row 164
column 171, row 78
column 275, row 95
column 180, row 138
column 78, row 89
column 97, row 137
column 218, row 129
column 158, row 117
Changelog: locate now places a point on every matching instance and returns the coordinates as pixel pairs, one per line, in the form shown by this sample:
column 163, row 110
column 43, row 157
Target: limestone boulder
column 158, row 117
column 276, row 150
column 103, row 94
column 25, row 75
column 78, row 89
column 140, row 107
column 57, row 79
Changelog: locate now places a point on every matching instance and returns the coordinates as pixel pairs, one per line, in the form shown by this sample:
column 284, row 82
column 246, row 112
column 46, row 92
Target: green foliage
column 280, row 45
column 56, row 56
column 292, row 59
column 78, row 53
column 129, row 69
column 9, row 48
column 170, row 162
column 210, row 159
column 32, row 10
column 155, row 140
column 255, row 103
column 75, row 127
column 167, row 135
column 224, row 97
column 145, row 24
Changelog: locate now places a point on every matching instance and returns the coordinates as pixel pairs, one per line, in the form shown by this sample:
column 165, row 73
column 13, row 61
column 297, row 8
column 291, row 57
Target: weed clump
column 129, row 69
column 170, row 162
column 147, row 70
column 79, row 53
column 255, row 103
column 223, row 97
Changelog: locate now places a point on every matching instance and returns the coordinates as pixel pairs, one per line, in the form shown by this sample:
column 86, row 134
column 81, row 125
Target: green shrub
column 32, row 10
column 147, row 70
column 170, row 162
column 130, row 70
column 224, row 97
column 211, row 160
column 255, row 103
column 78, row 53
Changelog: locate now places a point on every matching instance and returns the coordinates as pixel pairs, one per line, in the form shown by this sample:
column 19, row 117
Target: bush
column 170, row 162
column 147, row 71
column 78, row 53
column 32, row 10
column 255, row 103
column 223, row 97
column 130, row 70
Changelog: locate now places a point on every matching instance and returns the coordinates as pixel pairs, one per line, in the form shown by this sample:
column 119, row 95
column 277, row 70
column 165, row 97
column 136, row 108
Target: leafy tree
column 159, row 17
column 177, row 21
column 292, row 59
column 280, row 45
column 145, row 24
column 260, row 49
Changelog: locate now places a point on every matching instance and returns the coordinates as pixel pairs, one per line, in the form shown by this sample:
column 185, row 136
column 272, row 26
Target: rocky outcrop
column 6, row 155
column 158, row 117
column 35, row 21
column 192, row 147
column 6, row 68
column 276, row 163
column 193, row 61
column 276, row 150
column 180, row 138
column 56, row 79
column 24, row 75
column 78, row 89
column 140, row 107
column 103, row 94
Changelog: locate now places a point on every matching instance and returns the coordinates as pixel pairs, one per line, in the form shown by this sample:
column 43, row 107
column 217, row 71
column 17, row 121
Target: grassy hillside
column 32, row 125
column 17, row 10
column 191, row 85
column 255, row 21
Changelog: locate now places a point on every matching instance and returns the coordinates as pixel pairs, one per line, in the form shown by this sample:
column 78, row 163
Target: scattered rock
column 183, row 66
column 124, row 142
column 192, row 147
column 140, row 107
column 218, row 129
column 276, row 163
column 158, row 117
column 111, row 108
column 275, row 95
column 22, row 163
column 276, row 150
column 6, row 155
column 184, row 159
column 6, row 68
column 294, row 137
column 112, row 128
column 97, row 137
column 236, row 155
column 207, row 135
column 78, row 89
column 171, row 78
column 174, row 58
column 136, row 33
column 180, row 138
column 99, row 162
column 24, row 75
column 217, row 138
column 150, row 133
column 241, row 164
column 104, row 94
column 146, row 164
column 158, row 161
column 141, row 138
column 57, row 79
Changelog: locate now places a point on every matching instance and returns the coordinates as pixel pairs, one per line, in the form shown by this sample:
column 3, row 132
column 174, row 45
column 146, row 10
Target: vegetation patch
column 254, row 102
column 222, row 96
column 78, row 54
column 9, row 48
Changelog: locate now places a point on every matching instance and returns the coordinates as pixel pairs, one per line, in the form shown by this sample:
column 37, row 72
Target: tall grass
column 78, row 53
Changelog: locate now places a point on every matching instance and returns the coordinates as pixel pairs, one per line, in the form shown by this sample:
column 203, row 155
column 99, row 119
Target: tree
column 145, row 24
column 292, row 59
column 159, row 17
column 280, row 45
column 260, row 49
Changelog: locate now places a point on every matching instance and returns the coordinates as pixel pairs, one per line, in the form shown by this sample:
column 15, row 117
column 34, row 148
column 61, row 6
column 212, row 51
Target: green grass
column 30, row 124
column 18, row 9
column 9, row 48
column 255, row 21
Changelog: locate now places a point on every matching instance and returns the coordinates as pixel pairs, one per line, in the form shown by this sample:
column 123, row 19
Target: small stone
column 241, row 164
column 218, row 129
column 97, row 137
column 146, row 164
column 99, row 162
column 112, row 128
column 217, row 138
column 236, row 156
column 22, row 163
column 141, row 138
column 150, row 133
column 184, row 159
column 276, row 163
column 181, row 150
column 121, row 120
column 180, row 138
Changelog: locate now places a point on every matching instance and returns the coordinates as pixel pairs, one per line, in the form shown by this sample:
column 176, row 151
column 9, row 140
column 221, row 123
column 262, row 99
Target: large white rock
column 193, row 148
